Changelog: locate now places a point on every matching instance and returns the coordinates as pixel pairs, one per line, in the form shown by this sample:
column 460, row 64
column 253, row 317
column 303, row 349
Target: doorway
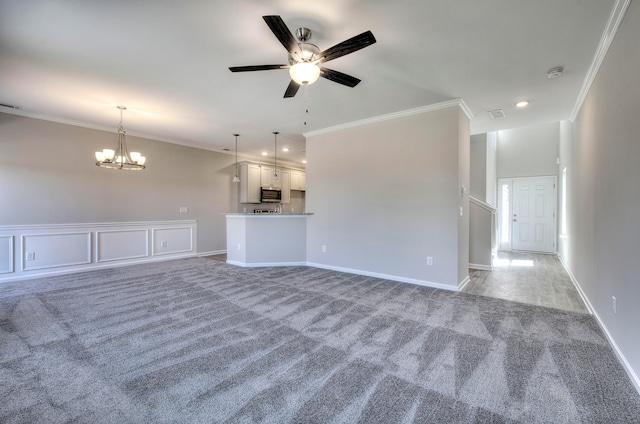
column 527, row 214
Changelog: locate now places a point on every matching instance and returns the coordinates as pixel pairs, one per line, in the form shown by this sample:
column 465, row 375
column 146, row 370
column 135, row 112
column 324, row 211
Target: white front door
column 534, row 205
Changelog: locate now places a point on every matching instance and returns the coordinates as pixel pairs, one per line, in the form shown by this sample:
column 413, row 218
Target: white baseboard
column 211, row 253
column 72, row 270
column 265, row 264
column 464, row 283
column 385, row 276
column 481, row 267
column 623, row 360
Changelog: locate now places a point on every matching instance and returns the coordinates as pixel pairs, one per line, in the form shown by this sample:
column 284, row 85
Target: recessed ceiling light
column 304, row 161
column 285, row 149
column 264, row 153
column 522, row 103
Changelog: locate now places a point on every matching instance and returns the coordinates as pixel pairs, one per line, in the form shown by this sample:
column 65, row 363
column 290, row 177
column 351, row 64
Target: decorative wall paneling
column 28, row 251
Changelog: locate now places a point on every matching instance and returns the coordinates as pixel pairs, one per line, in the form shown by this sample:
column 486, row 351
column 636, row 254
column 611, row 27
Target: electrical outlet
column 239, row 246
column 163, row 243
column 324, row 249
column 184, row 209
column 614, row 305
column 429, row 260
column 31, row 256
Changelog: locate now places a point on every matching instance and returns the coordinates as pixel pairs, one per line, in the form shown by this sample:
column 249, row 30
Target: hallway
column 537, row 279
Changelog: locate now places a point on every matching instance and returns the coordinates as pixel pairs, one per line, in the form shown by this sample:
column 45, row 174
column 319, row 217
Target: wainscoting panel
column 28, row 251
column 6, row 254
column 124, row 244
column 42, row 251
column 168, row 241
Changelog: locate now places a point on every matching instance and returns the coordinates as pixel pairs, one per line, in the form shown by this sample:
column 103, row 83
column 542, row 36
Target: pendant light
column 275, row 178
column 120, row 158
column 236, row 179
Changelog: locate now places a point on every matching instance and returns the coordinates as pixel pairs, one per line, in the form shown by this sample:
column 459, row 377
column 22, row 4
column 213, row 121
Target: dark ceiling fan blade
column 292, row 89
column 282, row 33
column 256, row 68
column 339, row 77
column 348, row 46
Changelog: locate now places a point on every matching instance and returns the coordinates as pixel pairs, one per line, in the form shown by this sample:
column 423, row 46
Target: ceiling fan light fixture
column 304, row 73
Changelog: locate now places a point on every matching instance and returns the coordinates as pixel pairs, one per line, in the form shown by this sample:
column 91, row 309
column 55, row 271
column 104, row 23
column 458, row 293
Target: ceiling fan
column 304, row 57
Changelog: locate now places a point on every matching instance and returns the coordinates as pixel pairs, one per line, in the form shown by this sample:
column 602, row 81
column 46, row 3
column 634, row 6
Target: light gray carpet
column 201, row 341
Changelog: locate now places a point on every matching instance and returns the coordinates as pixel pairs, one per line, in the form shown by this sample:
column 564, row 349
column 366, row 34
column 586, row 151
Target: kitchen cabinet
column 253, row 176
column 249, row 183
column 267, row 177
column 285, row 185
column 298, row 180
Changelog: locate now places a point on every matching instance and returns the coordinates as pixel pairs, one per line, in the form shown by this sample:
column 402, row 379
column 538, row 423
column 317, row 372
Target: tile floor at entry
column 525, row 277
column 532, row 278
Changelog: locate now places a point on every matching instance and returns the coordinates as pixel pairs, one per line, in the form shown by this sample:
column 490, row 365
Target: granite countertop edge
column 266, row 214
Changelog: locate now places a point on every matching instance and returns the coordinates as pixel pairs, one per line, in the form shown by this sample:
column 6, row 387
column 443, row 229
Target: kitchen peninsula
column 267, row 239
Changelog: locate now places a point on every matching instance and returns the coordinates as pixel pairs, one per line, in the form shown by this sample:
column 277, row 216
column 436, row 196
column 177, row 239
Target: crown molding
column 152, row 137
column 395, row 115
column 615, row 19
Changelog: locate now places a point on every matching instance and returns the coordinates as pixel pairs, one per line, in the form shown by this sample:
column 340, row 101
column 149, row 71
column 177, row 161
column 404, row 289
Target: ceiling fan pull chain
column 306, row 103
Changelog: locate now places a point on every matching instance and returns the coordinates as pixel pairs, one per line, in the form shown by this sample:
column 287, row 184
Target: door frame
column 506, row 221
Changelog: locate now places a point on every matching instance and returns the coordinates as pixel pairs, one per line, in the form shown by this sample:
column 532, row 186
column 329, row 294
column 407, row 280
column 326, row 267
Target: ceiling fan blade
column 256, row 68
column 292, row 89
column 339, row 77
column 348, row 46
column 282, row 33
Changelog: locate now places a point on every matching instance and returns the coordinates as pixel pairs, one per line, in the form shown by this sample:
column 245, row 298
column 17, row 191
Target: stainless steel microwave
column 270, row 195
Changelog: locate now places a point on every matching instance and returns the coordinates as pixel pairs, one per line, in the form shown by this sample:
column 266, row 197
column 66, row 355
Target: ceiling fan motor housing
column 303, row 34
column 309, row 52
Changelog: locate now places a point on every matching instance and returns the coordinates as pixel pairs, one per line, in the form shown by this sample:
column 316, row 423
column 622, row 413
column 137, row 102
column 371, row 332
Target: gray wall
column 464, row 159
column 480, row 235
column 483, row 167
column 528, row 152
column 48, row 176
column 478, row 176
column 602, row 160
column 492, row 179
column 386, row 195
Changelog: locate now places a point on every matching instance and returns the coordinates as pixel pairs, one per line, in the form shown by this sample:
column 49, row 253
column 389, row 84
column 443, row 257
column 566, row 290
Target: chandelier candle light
column 120, row 158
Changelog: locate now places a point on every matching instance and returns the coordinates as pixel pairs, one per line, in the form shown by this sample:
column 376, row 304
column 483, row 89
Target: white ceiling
column 167, row 61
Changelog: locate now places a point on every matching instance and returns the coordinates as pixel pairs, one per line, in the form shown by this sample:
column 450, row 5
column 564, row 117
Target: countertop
column 268, row 215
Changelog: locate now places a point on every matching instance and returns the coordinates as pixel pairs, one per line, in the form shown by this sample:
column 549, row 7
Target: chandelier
column 120, row 158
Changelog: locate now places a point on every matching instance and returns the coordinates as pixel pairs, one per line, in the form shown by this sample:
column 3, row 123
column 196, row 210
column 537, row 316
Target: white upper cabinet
column 253, row 176
column 267, row 177
column 285, row 184
column 298, row 180
column 249, row 183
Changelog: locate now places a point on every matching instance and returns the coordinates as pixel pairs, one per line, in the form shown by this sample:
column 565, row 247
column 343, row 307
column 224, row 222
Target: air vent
column 498, row 113
column 10, row 106
column 555, row 72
